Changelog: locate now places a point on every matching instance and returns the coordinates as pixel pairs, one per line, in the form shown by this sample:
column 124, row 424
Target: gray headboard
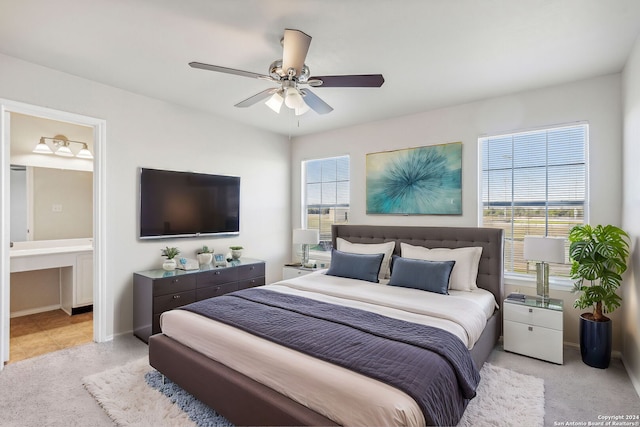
column 490, row 270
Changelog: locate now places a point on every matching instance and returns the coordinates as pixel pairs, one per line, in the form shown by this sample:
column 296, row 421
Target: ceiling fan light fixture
column 275, row 102
column 293, row 99
column 300, row 111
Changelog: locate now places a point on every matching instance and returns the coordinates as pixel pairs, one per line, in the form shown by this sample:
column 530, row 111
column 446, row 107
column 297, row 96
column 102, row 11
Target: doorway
column 98, row 128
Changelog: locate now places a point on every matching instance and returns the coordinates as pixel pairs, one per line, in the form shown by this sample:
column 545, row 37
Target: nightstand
column 534, row 328
column 291, row 272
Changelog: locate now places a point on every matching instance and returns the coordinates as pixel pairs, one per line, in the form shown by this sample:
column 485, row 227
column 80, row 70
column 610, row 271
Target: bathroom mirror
column 50, row 203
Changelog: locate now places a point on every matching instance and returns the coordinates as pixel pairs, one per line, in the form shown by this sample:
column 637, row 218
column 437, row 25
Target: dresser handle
column 174, row 281
column 251, row 268
column 531, row 310
column 217, row 272
column 530, row 328
column 176, row 297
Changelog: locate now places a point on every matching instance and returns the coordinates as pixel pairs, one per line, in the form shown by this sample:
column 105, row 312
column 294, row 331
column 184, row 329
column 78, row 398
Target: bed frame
column 244, row 401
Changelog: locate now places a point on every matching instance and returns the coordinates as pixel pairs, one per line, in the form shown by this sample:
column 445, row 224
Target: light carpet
column 133, row 395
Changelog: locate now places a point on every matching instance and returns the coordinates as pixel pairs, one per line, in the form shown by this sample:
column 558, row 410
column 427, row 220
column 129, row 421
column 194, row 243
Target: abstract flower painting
column 416, row 181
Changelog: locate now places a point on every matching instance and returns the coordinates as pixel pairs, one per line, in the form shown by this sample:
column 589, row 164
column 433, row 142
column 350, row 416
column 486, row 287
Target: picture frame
column 415, row 181
column 219, row 260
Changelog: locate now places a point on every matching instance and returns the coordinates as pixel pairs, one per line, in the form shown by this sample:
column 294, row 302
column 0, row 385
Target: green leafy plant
column 598, row 259
column 170, row 253
column 236, row 248
column 205, row 250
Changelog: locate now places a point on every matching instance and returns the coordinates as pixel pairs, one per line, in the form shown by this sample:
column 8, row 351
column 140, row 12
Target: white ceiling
column 432, row 53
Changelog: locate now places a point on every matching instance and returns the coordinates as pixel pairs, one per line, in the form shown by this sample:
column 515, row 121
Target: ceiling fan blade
column 315, row 103
column 354, row 80
column 226, row 70
column 295, row 46
column 256, row 98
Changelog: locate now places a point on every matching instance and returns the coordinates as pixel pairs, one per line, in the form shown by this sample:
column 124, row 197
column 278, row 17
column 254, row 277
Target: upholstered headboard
column 490, row 270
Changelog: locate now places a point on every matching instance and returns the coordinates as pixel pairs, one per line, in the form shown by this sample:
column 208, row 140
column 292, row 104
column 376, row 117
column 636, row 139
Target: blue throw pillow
column 355, row 266
column 432, row 276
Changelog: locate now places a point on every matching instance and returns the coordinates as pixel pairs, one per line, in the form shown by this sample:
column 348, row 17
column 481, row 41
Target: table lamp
column 305, row 237
column 543, row 250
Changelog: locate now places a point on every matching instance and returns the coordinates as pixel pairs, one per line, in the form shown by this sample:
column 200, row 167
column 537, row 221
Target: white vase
column 205, row 258
column 236, row 253
column 169, row 264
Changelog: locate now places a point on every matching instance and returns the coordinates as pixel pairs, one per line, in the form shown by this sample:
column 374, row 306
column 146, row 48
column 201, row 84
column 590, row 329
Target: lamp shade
column 64, row 151
column 545, row 249
column 275, row 102
column 84, row 153
column 305, row 236
column 42, row 148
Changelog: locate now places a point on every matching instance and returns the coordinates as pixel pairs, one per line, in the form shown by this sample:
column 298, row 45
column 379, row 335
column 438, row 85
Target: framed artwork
column 416, row 181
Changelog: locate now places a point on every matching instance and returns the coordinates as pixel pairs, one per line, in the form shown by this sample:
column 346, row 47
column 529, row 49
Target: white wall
column 631, row 213
column 597, row 101
column 151, row 133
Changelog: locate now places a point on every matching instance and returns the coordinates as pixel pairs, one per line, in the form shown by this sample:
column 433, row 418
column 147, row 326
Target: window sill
column 529, row 281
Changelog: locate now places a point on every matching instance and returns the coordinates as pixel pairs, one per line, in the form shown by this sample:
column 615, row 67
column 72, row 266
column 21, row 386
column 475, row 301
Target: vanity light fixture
column 61, row 147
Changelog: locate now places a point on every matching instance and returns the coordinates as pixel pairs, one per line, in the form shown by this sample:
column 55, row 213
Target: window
column 534, row 183
column 326, row 196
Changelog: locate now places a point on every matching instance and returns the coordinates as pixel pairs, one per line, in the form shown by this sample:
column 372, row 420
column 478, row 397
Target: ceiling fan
column 289, row 73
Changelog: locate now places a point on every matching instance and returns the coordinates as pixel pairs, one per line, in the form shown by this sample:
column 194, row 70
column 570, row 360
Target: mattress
column 337, row 393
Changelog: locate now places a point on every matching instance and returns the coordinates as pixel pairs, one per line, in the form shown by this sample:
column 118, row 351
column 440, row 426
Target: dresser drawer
column 251, row 283
column 533, row 316
column 535, row 341
column 174, row 284
column 217, row 277
column 167, row 302
column 215, row 290
column 250, row 271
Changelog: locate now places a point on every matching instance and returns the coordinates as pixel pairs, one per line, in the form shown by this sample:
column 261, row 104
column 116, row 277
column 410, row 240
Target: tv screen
column 188, row 204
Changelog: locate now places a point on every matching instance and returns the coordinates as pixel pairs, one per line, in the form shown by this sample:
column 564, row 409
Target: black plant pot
column 595, row 342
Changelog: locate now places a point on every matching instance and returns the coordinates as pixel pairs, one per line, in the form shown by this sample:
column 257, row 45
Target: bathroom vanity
column 73, row 258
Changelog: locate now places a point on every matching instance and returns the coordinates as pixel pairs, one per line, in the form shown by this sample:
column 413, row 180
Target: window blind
column 534, row 183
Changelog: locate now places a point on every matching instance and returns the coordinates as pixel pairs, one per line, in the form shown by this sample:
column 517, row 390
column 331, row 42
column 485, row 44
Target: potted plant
column 170, row 253
column 204, row 255
column 599, row 257
column 236, row 251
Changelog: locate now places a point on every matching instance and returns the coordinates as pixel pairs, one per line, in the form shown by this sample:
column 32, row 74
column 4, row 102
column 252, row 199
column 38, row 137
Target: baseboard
column 616, row 354
column 34, row 310
column 635, row 382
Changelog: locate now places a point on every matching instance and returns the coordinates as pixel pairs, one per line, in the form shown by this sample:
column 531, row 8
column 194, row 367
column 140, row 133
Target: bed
column 249, row 398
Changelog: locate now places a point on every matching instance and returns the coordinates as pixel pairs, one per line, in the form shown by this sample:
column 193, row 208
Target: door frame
column 100, row 291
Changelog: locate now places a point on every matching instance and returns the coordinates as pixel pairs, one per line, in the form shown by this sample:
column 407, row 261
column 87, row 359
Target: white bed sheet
column 349, row 398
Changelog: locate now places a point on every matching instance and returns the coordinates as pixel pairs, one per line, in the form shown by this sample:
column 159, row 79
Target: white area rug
column 504, row 398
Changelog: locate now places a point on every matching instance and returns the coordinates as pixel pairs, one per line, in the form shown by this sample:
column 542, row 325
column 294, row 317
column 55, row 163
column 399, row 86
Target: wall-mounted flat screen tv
column 188, row 204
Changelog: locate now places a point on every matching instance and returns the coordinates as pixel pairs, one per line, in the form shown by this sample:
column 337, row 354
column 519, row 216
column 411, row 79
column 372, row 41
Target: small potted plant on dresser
column 236, row 251
column 204, row 255
column 598, row 259
column 170, row 253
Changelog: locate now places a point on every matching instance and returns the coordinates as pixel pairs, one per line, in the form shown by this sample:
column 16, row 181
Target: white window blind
column 326, row 196
column 534, row 184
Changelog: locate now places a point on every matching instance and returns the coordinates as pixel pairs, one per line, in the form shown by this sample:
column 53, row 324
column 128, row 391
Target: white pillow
column 370, row 248
column 465, row 271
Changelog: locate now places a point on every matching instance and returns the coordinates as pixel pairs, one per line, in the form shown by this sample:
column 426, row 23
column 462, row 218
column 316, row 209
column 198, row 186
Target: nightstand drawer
column 167, row 302
column 250, row 271
column 293, row 272
column 533, row 316
column 217, row 277
column 535, row 341
column 171, row 285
